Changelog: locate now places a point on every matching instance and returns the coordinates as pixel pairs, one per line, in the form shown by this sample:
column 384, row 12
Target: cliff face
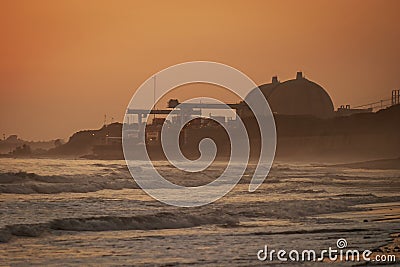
column 82, row 142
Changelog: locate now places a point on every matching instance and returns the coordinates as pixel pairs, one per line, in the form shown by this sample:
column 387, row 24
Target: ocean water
column 86, row 212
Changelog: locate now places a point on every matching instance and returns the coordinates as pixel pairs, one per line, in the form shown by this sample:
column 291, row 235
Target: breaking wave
column 163, row 220
column 31, row 183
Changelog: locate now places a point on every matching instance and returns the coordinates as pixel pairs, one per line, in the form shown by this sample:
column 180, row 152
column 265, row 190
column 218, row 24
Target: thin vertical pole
column 154, row 95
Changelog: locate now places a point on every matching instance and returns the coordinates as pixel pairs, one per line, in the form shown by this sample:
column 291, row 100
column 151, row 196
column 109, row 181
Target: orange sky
column 64, row 64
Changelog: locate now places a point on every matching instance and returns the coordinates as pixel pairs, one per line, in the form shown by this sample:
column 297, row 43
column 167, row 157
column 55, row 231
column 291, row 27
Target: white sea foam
column 298, row 205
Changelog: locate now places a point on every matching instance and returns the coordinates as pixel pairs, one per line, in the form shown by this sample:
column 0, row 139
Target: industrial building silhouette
column 298, row 96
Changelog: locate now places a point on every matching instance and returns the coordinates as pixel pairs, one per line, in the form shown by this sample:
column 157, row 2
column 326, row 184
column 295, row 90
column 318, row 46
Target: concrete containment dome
column 299, row 96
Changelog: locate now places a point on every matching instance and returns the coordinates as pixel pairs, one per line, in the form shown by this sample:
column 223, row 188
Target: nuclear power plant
column 295, row 97
column 307, row 125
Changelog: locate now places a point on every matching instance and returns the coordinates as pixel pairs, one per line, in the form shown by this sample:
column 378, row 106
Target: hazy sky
column 64, row 64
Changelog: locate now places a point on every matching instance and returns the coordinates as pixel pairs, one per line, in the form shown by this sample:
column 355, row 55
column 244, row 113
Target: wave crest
column 157, row 221
column 31, row 183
